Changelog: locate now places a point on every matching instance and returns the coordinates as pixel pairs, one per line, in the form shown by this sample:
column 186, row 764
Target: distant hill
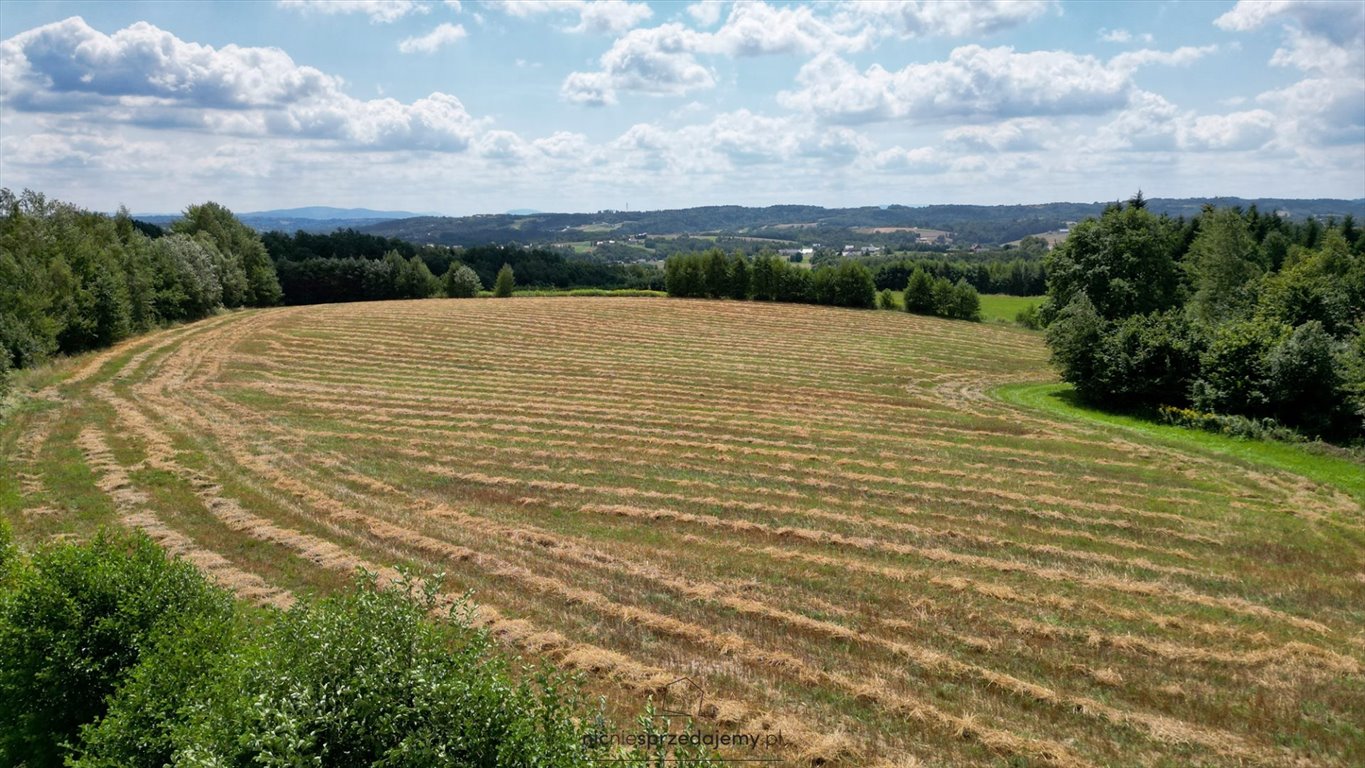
column 317, row 219
column 323, row 212
column 890, row 226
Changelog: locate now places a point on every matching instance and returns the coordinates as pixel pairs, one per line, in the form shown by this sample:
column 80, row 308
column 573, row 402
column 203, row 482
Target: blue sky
column 479, row 107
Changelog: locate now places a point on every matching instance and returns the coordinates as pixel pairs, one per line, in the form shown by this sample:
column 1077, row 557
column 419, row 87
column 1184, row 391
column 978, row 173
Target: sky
column 480, row 107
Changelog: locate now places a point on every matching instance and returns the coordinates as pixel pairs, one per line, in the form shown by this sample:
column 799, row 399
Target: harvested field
column 821, row 516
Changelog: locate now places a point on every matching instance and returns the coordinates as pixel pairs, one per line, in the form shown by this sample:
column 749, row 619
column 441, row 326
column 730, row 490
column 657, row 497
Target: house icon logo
column 683, row 697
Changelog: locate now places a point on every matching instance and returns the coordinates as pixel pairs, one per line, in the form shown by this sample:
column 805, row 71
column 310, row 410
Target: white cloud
column 443, row 34
column 663, row 59
column 974, row 82
column 657, row 60
column 601, row 16
column 1325, row 40
column 920, row 160
column 756, row 28
column 943, row 18
column 379, row 11
column 1320, row 110
column 1123, row 36
column 70, row 63
column 591, row 89
column 1341, row 23
column 706, row 13
column 1153, row 124
column 1251, row 129
column 1180, row 57
column 1321, row 36
column 146, row 76
column 1017, row 135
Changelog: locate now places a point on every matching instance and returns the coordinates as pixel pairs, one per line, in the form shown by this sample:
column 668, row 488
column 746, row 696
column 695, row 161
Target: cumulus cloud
column 1153, row 124
column 146, row 76
column 974, row 82
column 1178, row 58
column 443, row 34
column 662, row 60
column 69, row 62
column 1319, row 36
column 1319, row 110
column 1017, row 135
column 756, row 28
column 1327, row 42
column 1340, row 23
column 942, row 18
column 657, row 60
column 1251, row 129
column 706, row 13
column 914, row 161
column 379, row 11
column 601, row 16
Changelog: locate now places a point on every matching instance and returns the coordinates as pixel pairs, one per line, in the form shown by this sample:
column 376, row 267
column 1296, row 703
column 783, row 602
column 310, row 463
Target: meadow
column 828, row 519
column 995, row 307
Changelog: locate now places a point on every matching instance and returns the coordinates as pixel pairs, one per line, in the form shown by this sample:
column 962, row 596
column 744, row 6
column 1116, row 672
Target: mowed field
column 820, row 515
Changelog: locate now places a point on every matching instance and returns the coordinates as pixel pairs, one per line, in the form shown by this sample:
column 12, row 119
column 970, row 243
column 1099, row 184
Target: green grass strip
column 1060, row 400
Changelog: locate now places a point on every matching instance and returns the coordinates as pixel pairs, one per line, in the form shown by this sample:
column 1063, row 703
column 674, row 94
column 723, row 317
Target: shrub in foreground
column 73, row 623
column 365, row 679
column 114, row 656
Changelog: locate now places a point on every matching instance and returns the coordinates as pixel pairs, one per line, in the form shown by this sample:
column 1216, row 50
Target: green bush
column 365, row 679
column 1307, row 388
column 1234, row 377
column 853, row 286
column 5, row 371
column 461, row 282
column 73, row 624
column 1029, row 317
column 919, row 292
column 505, row 283
column 148, row 710
column 1074, row 339
column 964, row 303
column 887, row 300
column 1150, row 359
column 1231, row 425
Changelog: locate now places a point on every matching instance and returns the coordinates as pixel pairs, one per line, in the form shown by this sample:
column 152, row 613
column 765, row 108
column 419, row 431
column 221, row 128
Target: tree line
column 352, row 266
column 72, row 280
column 113, row 654
column 1234, row 313
column 714, row 274
column 1015, row 277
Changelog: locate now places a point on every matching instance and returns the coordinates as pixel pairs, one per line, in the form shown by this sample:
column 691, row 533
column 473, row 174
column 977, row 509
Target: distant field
column 997, row 307
column 821, row 516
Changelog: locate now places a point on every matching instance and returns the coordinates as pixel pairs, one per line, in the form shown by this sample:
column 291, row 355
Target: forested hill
column 805, row 224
